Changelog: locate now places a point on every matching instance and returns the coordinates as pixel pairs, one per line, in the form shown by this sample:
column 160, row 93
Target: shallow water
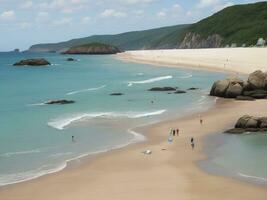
column 35, row 139
column 239, row 156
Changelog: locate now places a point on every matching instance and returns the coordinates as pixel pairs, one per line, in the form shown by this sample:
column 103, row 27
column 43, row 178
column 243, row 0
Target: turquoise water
column 35, row 139
column 239, row 156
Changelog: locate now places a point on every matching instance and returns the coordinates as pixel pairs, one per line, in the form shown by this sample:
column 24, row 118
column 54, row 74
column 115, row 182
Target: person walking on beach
column 200, row 120
column 177, row 131
column 192, row 143
column 173, row 132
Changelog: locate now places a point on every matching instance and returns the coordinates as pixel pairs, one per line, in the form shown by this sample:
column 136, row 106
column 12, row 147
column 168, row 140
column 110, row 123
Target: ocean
column 36, row 139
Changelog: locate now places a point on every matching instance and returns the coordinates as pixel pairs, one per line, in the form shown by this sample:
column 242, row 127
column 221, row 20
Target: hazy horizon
column 24, row 22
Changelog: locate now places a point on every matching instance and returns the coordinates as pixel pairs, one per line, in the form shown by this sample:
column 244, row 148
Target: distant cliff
column 239, row 24
column 93, row 48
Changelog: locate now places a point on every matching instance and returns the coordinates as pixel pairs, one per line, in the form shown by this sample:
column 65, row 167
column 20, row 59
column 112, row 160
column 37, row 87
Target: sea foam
column 86, row 90
column 130, row 83
column 60, row 124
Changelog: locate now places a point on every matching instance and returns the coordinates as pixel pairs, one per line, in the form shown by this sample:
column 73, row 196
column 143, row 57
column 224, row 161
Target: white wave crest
column 60, row 124
column 252, row 177
column 9, row 179
column 137, row 136
column 9, row 154
column 86, row 90
column 186, row 76
column 130, row 83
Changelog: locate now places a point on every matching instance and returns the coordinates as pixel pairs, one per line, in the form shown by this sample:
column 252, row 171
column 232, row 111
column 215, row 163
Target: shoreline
column 120, row 172
column 130, row 162
column 235, row 61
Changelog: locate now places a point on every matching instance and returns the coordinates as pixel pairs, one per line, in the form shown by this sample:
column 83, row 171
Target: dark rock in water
column 116, row 94
column 162, row 89
column 249, row 123
column 257, row 94
column 179, row 92
column 235, row 131
column 32, row 62
column 61, row 102
column 193, row 88
column 71, row 59
column 244, row 98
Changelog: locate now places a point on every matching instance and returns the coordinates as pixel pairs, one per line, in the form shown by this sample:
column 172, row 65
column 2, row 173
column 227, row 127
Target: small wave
column 60, row 124
column 186, row 76
column 60, row 154
column 252, row 177
column 37, row 104
column 137, row 136
column 9, row 154
column 86, row 90
column 55, row 64
column 9, row 179
column 130, row 83
column 140, row 74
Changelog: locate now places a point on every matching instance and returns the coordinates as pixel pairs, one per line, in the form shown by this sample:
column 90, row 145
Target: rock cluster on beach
column 32, row 62
column 60, row 102
column 249, row 124
column 254, row 88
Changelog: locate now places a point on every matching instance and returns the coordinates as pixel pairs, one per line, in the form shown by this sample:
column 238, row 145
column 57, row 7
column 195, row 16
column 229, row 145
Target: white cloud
column 222, row 6
column 27, row 5
column 85, row 20
column 25, row 25
column 132, row 2
column 113, row 13
column 161, row 14
column 176, row 9
column 42, row 17
column 62, row 22
column 8, row 15
column 207, row 3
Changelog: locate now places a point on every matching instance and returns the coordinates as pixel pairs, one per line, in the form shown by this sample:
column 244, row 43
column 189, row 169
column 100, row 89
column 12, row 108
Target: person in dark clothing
column 177, row 132
column 173, row 132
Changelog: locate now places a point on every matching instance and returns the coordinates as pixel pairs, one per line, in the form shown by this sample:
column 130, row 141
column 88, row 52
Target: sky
column 27, row 22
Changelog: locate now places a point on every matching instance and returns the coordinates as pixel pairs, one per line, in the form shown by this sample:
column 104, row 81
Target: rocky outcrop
column 116, row 94
column 32, row 62
column 71, row 59
column 60, row 102
column 193, row 88
column 93, row 48
column 254, row 88
column 162, row 89
column 249, row 123
column 179, row 92
column 194, row 41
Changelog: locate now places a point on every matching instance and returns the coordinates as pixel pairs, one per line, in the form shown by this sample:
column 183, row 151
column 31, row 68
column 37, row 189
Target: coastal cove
column 120, row 170
column 44, row 145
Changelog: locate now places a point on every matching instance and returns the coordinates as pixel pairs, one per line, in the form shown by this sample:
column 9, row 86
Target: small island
column 94, row 49
column 32, row 62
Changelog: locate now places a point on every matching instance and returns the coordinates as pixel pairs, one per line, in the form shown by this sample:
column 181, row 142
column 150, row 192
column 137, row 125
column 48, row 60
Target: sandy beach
column 171, row 173
column 235, row 60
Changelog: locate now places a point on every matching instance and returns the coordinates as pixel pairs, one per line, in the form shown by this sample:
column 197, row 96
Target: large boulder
column 219, row 88
column 32, row 62
column 234, row 90
column 242, row 121
column 257, row 80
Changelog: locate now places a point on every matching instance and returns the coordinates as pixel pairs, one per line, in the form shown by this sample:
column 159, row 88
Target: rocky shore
column 254, row 88
column 249, row 123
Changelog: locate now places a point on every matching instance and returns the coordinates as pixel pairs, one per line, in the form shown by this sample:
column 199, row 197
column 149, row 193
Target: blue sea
column 36, row 139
